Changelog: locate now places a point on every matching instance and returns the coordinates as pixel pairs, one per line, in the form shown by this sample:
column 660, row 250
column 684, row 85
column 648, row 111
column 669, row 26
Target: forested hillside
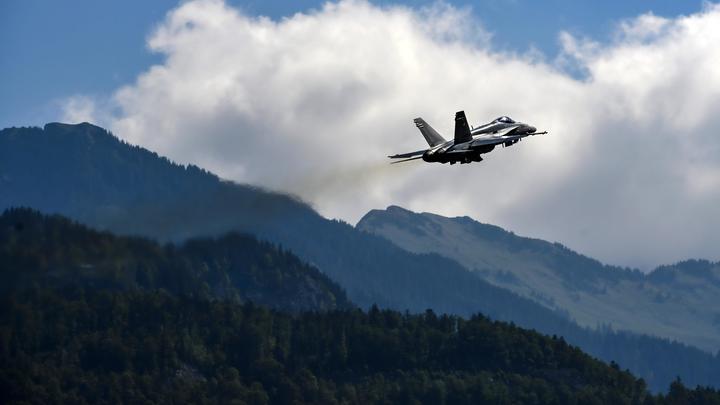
column 88, row 316
column 51, row 251
column 78, row 345
column 84, row 172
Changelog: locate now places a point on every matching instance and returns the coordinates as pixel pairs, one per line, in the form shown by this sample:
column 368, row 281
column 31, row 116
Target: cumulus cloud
column 79, row 108
column 311, row 104
column 100, row 110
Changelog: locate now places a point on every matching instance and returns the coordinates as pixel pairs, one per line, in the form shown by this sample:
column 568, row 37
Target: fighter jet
column 469, row 143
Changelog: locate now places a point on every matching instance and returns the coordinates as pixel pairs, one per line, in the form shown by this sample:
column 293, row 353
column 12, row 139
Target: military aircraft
column 469, row 143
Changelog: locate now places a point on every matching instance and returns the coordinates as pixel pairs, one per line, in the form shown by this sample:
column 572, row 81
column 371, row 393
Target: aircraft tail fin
column 462, row 129
column 430, row 134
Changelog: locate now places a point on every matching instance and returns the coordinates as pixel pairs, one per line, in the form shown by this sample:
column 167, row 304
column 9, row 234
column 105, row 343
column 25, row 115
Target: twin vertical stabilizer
column 430, row 134
column 462, row 129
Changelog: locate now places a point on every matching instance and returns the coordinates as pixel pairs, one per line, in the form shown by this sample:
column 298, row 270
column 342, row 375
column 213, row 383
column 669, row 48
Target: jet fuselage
column 468, row 143
column 484, row 139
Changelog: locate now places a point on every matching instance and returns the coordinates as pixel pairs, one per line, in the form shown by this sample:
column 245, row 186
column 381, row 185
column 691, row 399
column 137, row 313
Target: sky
column 309, row 97
column 52, row 49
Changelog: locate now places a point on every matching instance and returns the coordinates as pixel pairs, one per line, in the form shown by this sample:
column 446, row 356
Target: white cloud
column 313, row 103
column 645, row 27
column 79, row 108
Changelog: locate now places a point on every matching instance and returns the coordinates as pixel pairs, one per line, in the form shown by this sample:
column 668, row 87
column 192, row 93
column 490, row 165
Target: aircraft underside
column 469, row 156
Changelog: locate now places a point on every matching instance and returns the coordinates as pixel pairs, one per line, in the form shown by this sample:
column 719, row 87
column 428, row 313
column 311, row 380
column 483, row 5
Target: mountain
column 85, row 173
column 90, row 345
column 54, row 252
column 87, row 316
column 678, row 302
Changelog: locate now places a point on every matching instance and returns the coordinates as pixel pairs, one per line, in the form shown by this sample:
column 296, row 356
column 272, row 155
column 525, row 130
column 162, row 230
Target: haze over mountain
column 679, row 302
column 84, row 172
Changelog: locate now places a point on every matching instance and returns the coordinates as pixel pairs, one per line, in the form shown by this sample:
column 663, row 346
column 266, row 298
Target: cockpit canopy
column 505, row 120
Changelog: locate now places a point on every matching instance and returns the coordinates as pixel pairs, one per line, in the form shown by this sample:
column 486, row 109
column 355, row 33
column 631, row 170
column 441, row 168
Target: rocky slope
column 678, row 302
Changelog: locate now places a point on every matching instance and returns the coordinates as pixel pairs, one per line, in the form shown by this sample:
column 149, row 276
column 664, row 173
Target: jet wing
column 409, row 154
column 406, row 160
column 495, row 141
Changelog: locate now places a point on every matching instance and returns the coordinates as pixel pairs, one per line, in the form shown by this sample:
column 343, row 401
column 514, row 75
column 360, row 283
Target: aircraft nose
column 530, row 129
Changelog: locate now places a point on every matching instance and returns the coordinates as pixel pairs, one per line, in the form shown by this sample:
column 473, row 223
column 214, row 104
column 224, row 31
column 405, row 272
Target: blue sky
column 55, row 49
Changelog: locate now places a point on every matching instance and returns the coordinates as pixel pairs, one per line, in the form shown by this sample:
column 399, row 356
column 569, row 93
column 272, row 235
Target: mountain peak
column 398, row 209
column 71, row 127
column 84, row 130
column 395, row 216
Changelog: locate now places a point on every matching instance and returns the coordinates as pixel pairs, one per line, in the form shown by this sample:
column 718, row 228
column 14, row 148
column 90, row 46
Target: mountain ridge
column 92, row 308
column 111, row 185
column 590, row 292
column 54, row 252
